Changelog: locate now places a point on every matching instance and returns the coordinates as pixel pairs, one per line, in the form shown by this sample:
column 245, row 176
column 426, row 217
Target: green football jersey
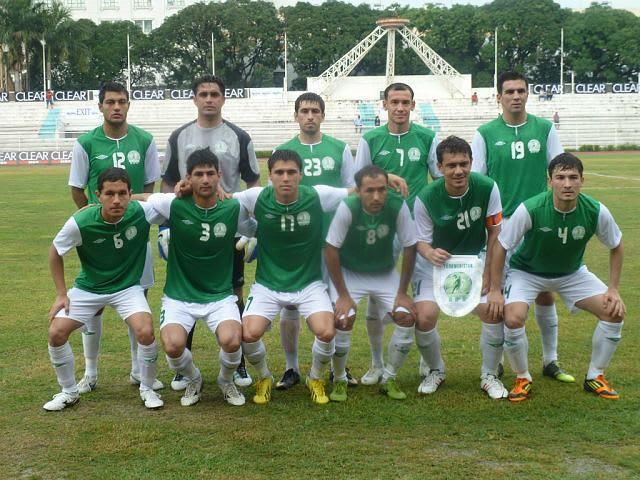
column 201, row 250
column 103, row 152
column 405, row 155
column 112, row 256
column 516, row 158
column 290, row 239
column 323, row 163
column 555, row 243
column 459, row 224
column 368, row 246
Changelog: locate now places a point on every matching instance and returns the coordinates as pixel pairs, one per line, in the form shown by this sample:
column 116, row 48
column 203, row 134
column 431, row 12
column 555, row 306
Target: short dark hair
column 311, row 98
column 399, row 87
column 510, row 75
column 369, row 171
column 113, row 174
column 112, row 87
column 453, row 145
column 201, row 157
column 285, row 156
column 565, row 161
column 207, row 79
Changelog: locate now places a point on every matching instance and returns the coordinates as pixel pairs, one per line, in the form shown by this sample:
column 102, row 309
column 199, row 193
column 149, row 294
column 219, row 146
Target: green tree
column 247, row 42
column 602, row 44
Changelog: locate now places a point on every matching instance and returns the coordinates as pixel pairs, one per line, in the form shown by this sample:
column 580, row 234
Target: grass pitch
column 561, row 432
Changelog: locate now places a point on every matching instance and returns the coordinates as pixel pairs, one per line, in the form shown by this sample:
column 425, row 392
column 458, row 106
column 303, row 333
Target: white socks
column 321, row 354
column 547, row 319
column 184, row 365
column 62, row 361
column 343, row 342
column 428, row 344
column 604, row 342
column 516, row 346
column 399, row 348
column 491, row 346
column 256, row 355
column 228, row 364
column 91, row 334
column 375, row 330
column 147, row 362
column 289, row 336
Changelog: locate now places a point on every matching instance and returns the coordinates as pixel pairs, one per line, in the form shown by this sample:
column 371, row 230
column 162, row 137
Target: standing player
column 113, row 144
column 199, row 272
column 407, row 152
column 325, row 161
column 360, row 260
column 290, row 222
column 111, row 240
column 550, row 232
column 458, row 214
column 234, row 150
column 514, row 150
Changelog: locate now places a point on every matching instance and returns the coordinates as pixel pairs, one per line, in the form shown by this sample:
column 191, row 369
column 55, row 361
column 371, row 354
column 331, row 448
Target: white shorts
column 268, row 303
column 381, row 287
column 187, row 313
column 147, row 279
column 84, row 305
column 422, row 281
column 524, row 287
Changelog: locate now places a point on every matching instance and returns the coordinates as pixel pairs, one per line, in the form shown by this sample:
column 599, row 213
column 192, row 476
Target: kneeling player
column 288, row 274
column 359, row 255
column 458, row 214
column 111, row 241
column 554, row 228
column 199, row 271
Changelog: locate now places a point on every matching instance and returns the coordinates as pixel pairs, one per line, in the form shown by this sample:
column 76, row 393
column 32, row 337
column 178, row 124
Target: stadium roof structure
column 388, row 26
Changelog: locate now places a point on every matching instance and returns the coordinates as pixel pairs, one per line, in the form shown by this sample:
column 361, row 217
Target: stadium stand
column 607, row 119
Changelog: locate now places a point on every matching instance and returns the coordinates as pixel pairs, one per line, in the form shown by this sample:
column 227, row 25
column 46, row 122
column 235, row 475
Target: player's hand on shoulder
column 164, row 235
column 222, row 194
column 399, row 185
column 183, row 188
column 61, row 301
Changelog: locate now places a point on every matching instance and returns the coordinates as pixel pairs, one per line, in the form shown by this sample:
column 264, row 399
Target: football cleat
column 553, row 370
column 263, row 391
column 431, row 382
column 87, row 384
column 316, row 388
column 288, row 380
column 339, row 392
column 521, row 390
column 600, row 387
column 492, row 385
column 61, row 401
column 391, row 389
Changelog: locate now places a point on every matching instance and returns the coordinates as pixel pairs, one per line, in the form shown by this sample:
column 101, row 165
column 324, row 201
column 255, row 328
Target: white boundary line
column 612, row 176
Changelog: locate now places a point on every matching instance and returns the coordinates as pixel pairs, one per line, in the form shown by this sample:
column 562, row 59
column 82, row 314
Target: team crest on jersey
column 475, row 213
column 382, row 231
column 534, row 146
column 221, row 147
column 304, row 219
column 131, row 232
column 101, row 157
column 578, row 232
column 134, row 157
column 328, row 163
column 414, row 154
column 219, row 230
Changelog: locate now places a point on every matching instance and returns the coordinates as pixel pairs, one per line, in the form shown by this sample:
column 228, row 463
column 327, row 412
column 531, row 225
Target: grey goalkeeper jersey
column 230, row 143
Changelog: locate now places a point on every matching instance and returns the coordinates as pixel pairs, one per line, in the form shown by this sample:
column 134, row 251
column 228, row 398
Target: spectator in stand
column 474, row 98
column 556, row 120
